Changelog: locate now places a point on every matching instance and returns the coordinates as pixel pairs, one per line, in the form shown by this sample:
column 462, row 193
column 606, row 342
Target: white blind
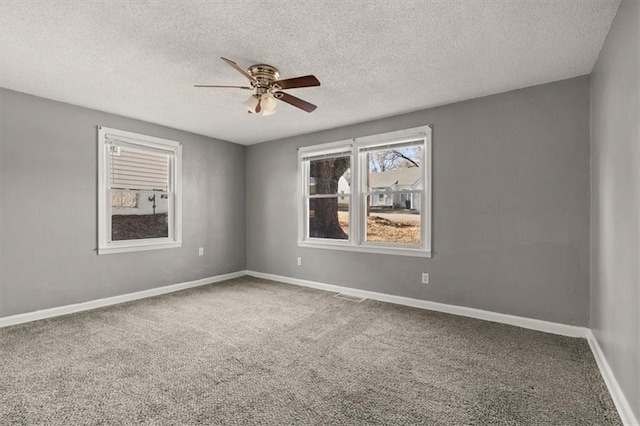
column 138, row 169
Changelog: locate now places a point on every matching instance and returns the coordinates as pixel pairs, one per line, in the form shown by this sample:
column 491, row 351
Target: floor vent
column 351, row 298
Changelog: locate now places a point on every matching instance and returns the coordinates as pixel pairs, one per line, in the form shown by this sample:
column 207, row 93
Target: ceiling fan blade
column 293, row 83
column 238, row 68
column 296, row 102
column 222, row 87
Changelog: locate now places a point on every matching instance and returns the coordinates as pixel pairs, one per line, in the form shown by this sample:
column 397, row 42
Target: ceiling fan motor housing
column 265, row 75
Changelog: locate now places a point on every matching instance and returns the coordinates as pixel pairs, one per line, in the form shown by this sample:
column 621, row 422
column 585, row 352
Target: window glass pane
column 395, row 225
column 395, row 169
column 329, row 218
column 139, row 215
column 330, row 176
column 124, row 199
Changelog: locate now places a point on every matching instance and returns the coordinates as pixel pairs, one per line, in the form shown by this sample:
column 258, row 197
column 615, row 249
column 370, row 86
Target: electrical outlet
column 299, row 261
column 425, row 278
column 201, row 251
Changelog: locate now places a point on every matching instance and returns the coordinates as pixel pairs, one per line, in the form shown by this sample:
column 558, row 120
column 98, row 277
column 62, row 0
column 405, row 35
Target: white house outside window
column 369, row 194
column 139, row 194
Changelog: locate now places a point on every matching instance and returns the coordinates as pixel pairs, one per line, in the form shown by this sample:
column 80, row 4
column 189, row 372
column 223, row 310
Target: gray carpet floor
column 250, row 351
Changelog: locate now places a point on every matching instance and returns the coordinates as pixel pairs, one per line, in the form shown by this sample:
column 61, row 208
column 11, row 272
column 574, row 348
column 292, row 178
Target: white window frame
column 106, row 136
column 358, row 197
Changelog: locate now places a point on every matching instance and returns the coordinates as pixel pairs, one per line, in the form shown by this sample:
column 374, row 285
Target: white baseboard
column 92, row 304
column 622, row 405
column 530, row 323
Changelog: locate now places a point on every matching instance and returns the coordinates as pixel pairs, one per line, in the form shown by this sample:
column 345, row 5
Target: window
column 369, row 194
column 139, row 192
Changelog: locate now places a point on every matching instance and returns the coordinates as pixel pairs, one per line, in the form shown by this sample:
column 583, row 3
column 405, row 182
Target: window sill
column 400, row 251
column 130, row 247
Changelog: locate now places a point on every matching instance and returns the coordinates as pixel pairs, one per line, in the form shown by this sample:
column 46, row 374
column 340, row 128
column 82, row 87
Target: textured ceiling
column 374, row 58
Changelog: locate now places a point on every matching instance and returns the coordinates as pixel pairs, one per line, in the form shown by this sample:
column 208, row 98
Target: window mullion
column 354, row 209
column 362, row 196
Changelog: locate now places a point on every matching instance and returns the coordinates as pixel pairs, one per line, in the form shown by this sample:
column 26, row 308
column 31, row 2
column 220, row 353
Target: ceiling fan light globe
column 269, row 103
column 267, row 112
column 251, row 103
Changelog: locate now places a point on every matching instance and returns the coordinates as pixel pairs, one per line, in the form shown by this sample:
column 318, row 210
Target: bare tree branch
column 404, row 157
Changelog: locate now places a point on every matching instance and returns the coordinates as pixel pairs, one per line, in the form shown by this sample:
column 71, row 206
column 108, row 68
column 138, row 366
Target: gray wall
column 615, row 204
column 48, row 227
column 511, row 207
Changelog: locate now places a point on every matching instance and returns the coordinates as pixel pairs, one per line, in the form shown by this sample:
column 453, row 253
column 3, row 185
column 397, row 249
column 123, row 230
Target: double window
column 139, row 194
column 369, row 194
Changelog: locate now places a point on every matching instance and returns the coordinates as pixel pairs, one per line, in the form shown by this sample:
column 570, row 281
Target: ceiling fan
column 267, row 88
